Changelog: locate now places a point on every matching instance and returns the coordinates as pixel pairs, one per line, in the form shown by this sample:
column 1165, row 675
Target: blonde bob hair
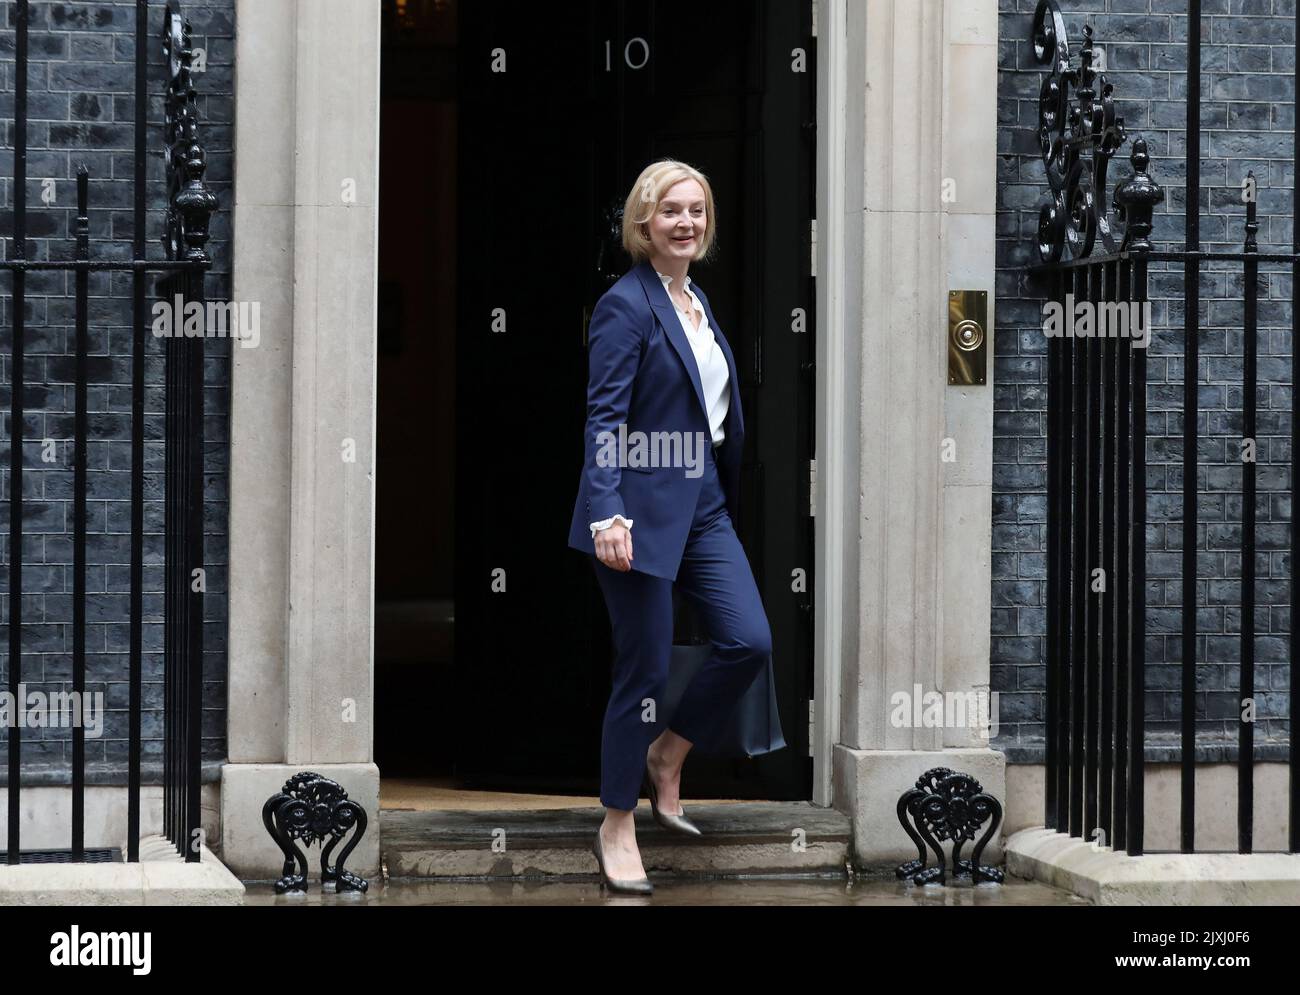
column 643, row 201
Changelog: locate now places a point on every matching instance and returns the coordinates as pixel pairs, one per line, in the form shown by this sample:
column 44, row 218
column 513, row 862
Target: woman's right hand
column 614, row 547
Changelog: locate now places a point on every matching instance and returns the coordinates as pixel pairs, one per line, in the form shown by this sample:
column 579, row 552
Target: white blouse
column 715, row 378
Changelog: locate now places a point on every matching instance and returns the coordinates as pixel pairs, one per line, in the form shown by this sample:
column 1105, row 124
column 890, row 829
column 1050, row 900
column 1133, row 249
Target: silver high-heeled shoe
column 677, row 823
column 632, row 886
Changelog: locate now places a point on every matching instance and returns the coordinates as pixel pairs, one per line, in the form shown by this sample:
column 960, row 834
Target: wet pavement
column 784, row 891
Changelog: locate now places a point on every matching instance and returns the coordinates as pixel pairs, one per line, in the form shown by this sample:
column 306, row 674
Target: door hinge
column 812, row 245
column 812, row 488
column 812, row 725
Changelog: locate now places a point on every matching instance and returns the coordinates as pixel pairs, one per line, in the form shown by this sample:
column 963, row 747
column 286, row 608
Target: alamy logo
column 655, row 449
column 57, row 709
column 179, row 318
column 1101, row 320
column 921, row 709
column 94, row 949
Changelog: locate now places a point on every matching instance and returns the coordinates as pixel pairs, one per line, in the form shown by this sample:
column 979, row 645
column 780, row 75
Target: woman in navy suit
column 662, row 451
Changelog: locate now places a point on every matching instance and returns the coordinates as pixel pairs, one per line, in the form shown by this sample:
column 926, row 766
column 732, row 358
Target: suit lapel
column 672, row 326
column 731, row 361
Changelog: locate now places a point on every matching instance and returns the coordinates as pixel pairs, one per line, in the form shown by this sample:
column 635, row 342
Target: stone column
column 302, row 502
column 924, row 525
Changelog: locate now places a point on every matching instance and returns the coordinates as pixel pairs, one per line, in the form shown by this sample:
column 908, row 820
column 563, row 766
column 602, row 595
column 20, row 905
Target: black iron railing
column 1096, row 428
column 190, row 206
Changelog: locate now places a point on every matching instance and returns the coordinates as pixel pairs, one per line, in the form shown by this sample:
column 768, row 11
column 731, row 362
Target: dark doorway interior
column 492, row 641
column 416, row 459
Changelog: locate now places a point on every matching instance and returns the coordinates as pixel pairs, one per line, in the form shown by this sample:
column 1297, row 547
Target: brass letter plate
column 967, row 336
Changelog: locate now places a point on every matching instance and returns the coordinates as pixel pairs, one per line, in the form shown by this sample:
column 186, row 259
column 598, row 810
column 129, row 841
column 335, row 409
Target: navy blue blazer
column 642, row 374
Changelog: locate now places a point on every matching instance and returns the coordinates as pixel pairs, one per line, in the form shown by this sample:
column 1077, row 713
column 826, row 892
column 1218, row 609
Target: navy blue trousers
column 716, row 577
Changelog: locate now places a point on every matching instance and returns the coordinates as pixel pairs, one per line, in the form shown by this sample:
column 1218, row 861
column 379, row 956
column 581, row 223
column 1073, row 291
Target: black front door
column 563, row 104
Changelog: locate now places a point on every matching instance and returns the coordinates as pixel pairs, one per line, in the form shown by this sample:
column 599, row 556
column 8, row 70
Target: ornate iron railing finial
column 1252, row 223
column 1136, row 199
column 189, row 202
column 1077, row 141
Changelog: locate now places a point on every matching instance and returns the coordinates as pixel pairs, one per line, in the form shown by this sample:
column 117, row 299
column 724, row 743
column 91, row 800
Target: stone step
column 743, row 838
column 160, row 877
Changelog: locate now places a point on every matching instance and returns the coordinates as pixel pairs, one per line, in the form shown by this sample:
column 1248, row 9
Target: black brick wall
column 1247, row 117
column 81, row 109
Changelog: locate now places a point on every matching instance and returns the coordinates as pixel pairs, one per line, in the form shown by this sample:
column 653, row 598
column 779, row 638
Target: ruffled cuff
column 606, row 523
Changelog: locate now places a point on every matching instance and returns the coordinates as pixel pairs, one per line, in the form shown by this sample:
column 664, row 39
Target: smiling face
column 678, row 224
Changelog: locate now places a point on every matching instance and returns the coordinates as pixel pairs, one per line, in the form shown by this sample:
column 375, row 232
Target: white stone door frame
column 837, row 384
column 302, row 522
column 301, row 646
column 280, row 156
column 906, row 112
